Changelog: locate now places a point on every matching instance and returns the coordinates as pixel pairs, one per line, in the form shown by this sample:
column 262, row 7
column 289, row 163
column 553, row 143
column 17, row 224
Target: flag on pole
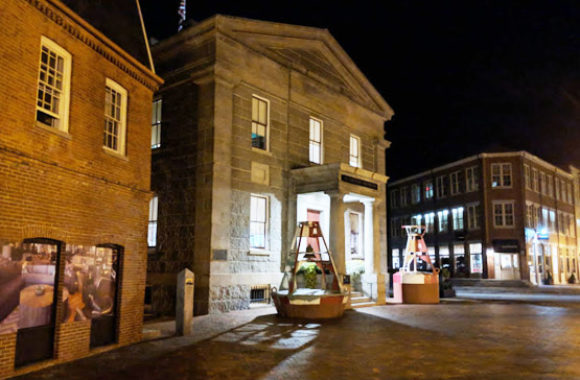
column 182, row 13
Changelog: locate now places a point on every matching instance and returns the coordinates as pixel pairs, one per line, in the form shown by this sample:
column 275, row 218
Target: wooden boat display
column 320, row 299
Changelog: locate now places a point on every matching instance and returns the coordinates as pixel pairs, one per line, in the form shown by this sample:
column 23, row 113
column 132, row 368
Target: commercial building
column 260, row 125
column 74, row 179
column 507, row 216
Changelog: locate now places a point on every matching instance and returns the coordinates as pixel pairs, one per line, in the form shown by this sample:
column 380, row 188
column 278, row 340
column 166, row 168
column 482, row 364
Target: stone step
column 363, row 304
column 361, row 299
column 490, row 283
column 149, row 334
column 356, row 294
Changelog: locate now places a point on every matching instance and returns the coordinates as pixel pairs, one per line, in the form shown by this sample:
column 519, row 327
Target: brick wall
column 65, row 186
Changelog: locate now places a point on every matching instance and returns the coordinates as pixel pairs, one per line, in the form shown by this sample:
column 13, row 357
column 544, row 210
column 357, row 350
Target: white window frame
column 62, row 116
column 557, row 183
column 535, row 179
column 156, row 116
column 355, row 160
column 415, row 193
column 429, row 222
column 473, row 216
column 457, row 214
column 428, row 194
column 443, row 216
column 440, row 187
column 454, row 183
column 549, row 180
column 312, row 142
column 265, row 222
column 256, row 122
column 569, row 190
column 122, row 127
column 471, row 179
column 153, row 221
column 543, row 183
column 527, row 177
column 503, row 173
column 503, row 214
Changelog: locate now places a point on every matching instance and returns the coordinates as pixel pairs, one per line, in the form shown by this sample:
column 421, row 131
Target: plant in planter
column 446, row 286
column 572, row 279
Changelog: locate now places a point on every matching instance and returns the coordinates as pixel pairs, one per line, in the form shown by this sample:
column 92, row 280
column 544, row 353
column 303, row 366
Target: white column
column 368, row 231
column 336, row 238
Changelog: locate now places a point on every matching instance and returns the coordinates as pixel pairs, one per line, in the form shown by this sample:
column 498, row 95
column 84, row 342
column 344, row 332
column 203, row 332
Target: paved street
column 455, row 340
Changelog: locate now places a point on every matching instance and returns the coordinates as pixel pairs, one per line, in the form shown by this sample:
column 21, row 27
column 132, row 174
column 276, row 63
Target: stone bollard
column 184, row 304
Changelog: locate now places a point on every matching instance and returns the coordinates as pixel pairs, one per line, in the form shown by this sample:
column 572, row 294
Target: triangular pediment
column 311, row 51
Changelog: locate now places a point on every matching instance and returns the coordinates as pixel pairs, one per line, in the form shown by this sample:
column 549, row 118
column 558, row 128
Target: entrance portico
column 349, row 204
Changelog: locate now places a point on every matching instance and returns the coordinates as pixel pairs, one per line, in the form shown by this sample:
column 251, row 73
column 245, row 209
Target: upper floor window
column 549, row 180
column 543, row 183
column 563, row 188
column 260, row 122
column 52, row 99
column 156, row 124
column 454, row 180
column 503, row 213
column 428, row 188
column 395, row 198
column 441, row 187
column 153, row 216
column 570, row 194
column 501, row 175
column 473, row 215
column 527, row 179
column 415, row 194
column 115, row 117
column 535, row 184
column 557, row 182
column 457, row 218
column 315, row 145
column 404, row 195
column 258, row 221
column 472, row 179
column 355, row 156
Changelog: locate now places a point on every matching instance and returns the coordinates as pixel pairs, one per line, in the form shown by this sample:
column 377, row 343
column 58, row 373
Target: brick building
column 489, row 216
column 260, row 125
column 74, row 179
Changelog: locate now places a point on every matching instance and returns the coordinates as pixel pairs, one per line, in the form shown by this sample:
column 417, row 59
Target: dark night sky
column 462, row 76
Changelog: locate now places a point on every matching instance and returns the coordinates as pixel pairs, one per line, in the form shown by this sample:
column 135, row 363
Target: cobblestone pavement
column 454, row 340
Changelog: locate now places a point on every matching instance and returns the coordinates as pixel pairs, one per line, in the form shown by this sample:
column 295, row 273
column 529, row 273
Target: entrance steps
column 484, row 283
column 359, row 300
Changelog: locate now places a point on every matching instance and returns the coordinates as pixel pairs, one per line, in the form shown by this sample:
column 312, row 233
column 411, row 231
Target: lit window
column 457, row 218
column 258, row 221
column 443, row 217
column 429, row 222
column 503, row 214
column 472, row 179
column 428, row 187
column 153, row 216
column 156, row 124
column 355, row 157
column 415, row 194
column 115, row 117
column 260, row 121
column 315, row 145
column 52, row 100
column 501, row 175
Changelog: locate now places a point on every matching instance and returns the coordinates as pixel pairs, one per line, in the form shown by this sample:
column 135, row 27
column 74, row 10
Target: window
column 115, row 117
column 416, row 220
column 550, row 180
column 156, row 125
column 429, row 222
column 395, row 198
column 501, row 175
column 52, row 99
column 315, row 145
column 569, row 187
column 527, row 177
column 503, row 213
column 443, row 217
column 563, row 188
column 473, row 212
column 457, row 218
column 428, row 187
column 153, row 216
column 535, row 184
column 415, row 194
column 530, row 215
column 404, row 195
column 454, row 180
column 260, row 122
column 355, row 156
column 544, row 185
column 441, row 187
column 557, row 181
column 472, row 178
column 355, row 243
column 258, row 221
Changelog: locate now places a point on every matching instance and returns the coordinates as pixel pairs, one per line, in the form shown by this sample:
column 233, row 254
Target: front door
column 313, row 216
column 36, row 307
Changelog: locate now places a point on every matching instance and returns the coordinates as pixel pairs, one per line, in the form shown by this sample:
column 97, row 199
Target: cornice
column 80, row 29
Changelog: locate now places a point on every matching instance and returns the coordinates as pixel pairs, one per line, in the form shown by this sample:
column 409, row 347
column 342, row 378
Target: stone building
column 261, row 125
column 506, row 216
column 74, row 179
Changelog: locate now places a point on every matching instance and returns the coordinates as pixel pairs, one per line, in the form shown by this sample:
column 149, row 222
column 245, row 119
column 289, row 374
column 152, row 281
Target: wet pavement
column 454, row 340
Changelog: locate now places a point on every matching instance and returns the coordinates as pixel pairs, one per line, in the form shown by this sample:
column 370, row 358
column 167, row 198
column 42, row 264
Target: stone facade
column 206, row 169
column 63, row 185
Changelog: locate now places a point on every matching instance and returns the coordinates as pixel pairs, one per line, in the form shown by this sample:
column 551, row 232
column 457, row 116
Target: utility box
column 184, row 302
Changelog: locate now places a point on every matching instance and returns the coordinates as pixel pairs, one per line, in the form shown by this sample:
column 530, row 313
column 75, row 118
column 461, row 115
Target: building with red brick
column 74, row 179
column 504, row 216
column 262, row 125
